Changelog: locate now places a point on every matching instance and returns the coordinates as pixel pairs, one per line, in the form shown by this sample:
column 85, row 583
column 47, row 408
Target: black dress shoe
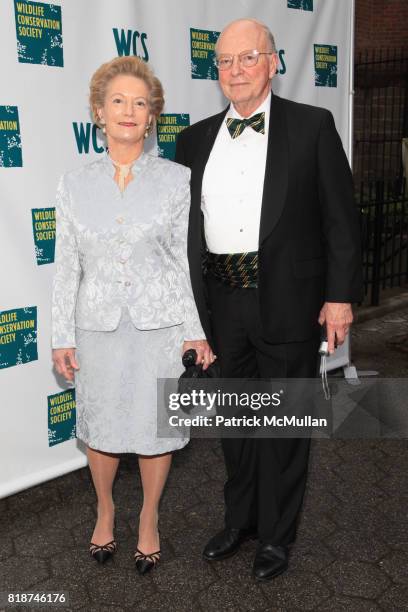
column 226, row 543
column 144, row 563
column 270, row 561
column 102, row 553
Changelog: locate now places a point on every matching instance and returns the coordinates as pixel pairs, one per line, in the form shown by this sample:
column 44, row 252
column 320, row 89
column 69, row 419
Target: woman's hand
column 203, row 349
column 65, row 362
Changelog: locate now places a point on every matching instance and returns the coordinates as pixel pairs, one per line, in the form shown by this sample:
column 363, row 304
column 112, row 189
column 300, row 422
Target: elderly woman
column 123, row 308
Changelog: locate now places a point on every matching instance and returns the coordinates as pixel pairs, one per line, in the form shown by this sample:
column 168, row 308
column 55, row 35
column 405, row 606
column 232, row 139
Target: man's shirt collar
column 262, row 108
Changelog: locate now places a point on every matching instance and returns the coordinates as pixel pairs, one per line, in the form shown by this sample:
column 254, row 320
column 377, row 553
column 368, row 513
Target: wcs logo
column 39, row 33
column 131, row 42
column 325, row 61
column 303, row 5
column 10, row 139
column 282, row 66
column 86, row 134
column 18, row 336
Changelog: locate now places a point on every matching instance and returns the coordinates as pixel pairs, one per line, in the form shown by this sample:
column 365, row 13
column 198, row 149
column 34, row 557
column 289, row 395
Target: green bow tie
column 237, row 126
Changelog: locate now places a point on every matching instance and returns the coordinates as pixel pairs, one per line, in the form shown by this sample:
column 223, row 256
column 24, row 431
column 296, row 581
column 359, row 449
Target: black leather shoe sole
column 231, row 553
column 272, row 576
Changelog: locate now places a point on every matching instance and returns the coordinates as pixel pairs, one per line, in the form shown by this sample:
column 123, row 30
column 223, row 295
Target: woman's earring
column 147, row 131
column 103, row 126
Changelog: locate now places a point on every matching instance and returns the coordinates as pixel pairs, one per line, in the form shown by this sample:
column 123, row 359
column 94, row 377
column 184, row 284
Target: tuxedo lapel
column 276, row 170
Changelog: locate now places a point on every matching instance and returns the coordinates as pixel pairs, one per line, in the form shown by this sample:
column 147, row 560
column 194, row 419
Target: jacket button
column 128, row 283
column 122, row 261
column 119, row 219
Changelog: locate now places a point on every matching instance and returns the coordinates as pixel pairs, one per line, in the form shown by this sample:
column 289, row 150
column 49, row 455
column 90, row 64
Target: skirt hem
column 146, row 452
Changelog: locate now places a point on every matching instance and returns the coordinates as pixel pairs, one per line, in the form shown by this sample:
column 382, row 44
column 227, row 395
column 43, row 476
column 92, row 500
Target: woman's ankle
column 105, row 510
column 148, row 519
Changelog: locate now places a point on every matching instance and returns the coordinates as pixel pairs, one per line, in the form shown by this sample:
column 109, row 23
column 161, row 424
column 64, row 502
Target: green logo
column 10, row 139
column 325, row 60
column 61, row 417
column 168, row 127
column 202, row 54
column 18, row 336
column 282, row 63
column 131, row 42
column 44, row 234
column 87, row 134
column 303, row 5
column 39, row 33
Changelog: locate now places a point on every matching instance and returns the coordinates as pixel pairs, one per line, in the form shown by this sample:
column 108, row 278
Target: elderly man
column 272, row 212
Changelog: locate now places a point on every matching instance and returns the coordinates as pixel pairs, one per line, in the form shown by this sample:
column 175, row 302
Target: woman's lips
column 127, row 124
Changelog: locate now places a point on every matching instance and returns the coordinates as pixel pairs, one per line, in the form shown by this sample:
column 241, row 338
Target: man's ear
column 273, row 65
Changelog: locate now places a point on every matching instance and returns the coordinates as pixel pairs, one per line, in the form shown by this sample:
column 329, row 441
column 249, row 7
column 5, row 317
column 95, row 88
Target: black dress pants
column 266, row 477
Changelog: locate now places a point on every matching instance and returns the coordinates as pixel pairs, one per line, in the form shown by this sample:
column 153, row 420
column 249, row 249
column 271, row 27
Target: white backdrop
column 51, row 101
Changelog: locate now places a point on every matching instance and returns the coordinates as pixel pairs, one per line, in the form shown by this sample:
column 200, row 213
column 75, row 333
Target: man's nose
column 236, row 66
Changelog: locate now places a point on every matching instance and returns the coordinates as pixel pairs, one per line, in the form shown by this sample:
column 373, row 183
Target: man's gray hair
column 270, row 41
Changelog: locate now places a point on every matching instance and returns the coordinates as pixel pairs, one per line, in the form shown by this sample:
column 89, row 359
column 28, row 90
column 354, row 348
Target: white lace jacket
column 115, row 250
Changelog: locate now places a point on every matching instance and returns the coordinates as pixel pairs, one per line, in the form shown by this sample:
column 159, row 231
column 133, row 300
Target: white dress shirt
column 233, row 186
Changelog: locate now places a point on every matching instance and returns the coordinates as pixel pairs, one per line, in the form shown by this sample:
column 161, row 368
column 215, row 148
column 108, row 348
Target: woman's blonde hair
column 130, row 66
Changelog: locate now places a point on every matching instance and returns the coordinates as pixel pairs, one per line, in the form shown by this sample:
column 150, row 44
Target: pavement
column 350, row 554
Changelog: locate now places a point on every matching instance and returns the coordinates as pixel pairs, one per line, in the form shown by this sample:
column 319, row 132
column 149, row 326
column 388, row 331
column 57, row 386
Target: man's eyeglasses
column 246, row 59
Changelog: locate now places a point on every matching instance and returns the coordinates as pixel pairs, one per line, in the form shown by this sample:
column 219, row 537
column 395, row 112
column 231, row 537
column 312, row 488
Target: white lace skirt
column 116, row 386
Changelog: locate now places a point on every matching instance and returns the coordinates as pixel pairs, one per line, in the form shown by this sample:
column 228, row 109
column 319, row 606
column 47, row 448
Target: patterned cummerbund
column 237, row 269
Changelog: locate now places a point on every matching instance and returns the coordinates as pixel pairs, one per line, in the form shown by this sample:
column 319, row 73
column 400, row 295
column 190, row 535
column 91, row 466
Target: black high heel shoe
column 102, row 553
column 144, row 563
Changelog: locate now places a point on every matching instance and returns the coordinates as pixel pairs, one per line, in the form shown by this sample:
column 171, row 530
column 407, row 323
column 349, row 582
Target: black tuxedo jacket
column 309, row 238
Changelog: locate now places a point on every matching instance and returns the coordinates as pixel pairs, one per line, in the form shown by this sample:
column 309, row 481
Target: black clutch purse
column 196, row 371
column 194, row 374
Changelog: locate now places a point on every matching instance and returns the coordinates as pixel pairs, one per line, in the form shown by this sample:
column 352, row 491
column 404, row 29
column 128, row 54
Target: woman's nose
column 128, row 107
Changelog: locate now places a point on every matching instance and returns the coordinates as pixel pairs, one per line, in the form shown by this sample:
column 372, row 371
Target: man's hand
column 65, row 362
column 338, row 318
column 203, row 349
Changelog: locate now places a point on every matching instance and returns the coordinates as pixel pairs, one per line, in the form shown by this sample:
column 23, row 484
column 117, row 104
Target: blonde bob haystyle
column 130, row 66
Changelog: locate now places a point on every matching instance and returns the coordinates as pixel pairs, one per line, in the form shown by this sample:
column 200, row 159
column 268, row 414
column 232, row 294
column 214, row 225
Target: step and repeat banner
column 49, row 52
